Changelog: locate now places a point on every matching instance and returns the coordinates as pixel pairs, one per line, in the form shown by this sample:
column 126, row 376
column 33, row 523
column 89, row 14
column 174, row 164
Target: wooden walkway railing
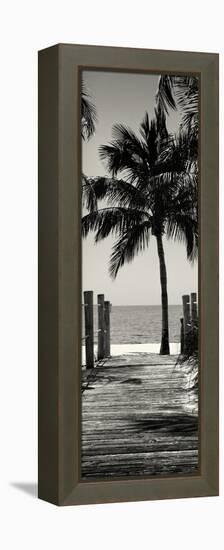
column 103, row 330
column 189, row 321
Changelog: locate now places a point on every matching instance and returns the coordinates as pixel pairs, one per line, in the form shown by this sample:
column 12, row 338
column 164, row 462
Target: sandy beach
column 123, row 349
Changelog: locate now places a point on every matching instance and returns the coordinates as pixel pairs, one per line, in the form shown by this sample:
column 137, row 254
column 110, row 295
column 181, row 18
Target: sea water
column 140, row 324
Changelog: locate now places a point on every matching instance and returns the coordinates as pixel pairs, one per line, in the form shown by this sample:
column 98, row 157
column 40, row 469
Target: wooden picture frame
column 60, row 274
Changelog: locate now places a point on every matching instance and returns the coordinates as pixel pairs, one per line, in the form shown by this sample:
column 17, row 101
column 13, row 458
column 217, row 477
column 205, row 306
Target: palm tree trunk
column 164, row 348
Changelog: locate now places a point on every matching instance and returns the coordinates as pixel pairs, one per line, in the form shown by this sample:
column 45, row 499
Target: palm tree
column 88, row 115
column 157, row 197
column 182, row 92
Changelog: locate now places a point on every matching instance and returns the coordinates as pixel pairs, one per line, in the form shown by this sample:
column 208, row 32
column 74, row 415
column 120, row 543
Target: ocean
column 140, row 324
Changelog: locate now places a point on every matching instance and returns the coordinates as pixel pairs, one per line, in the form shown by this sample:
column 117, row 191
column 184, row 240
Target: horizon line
column 140, row 305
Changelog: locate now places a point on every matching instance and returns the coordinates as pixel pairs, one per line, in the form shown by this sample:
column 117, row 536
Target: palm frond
column 190, row 119
column 187, row 94
column 126, row 154
column 88, row 115
column 129, row 244
column 178, row 152
column 125, row 150
column 112, row 220
column 89, row 197
column 184, row 229
column 161, row 127
column 165, row 95
column 145, row 127
column 154, row 134
column 116, row 192
column 183, row 92
column 150, row 136
column 124, row 135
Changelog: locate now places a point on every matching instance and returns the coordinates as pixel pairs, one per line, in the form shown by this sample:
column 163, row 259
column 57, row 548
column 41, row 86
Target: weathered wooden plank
column 141, row 464
column 138, row 420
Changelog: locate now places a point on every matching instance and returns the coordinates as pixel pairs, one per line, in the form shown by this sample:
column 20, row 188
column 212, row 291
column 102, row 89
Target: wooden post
column 194, row 313
column 187, row 320
column 101, row 336
column 89, row 338
column 107, row 328
column 181, row 335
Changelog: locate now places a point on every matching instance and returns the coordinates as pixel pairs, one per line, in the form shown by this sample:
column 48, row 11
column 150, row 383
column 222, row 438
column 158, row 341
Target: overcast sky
column 124, row 98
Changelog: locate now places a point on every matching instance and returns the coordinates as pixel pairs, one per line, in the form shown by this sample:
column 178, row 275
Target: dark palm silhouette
column 181, row 92
column 88, row 115
column 157, row 196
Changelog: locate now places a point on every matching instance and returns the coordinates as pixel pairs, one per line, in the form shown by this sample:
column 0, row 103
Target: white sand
column 122, row 349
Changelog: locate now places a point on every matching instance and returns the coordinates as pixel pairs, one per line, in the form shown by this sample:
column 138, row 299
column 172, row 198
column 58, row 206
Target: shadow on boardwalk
column 138, row 419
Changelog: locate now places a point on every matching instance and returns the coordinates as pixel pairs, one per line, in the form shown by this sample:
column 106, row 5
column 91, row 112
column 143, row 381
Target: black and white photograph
column 112, row 121
column 140, row 314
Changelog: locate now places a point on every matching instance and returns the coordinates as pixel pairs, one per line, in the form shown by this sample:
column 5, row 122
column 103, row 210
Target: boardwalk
column 138, row 419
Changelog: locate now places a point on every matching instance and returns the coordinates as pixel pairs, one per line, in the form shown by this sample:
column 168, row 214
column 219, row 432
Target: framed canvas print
column 128, row 274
